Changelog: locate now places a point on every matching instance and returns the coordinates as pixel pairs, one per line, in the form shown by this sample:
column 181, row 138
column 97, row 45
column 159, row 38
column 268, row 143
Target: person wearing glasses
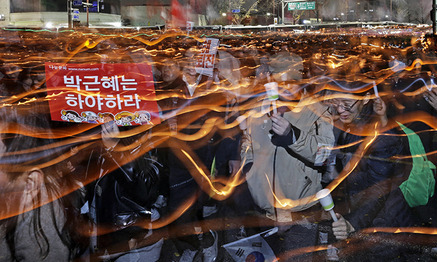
column 363, row 155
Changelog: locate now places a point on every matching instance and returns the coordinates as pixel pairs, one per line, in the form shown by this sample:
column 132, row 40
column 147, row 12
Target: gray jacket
column 286, row 177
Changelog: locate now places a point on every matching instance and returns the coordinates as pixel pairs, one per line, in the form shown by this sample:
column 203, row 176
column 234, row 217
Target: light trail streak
column 353, row 163
column 83, row 47
column 414, row 230
column 294, row 254
column 207, row 184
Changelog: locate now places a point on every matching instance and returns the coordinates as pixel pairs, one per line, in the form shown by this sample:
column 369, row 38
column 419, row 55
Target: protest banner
column 97, row 93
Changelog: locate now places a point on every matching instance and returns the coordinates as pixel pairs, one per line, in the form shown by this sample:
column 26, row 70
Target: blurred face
column 12, row 70
column 92, row 118
column 38, row 78
column 347, row 109
column 289, row 93
column 170, row 71
column 105, row 119
column 27, row 84
column 70, row 116
column 189, row 69
column 126, row 119
column 10, row 189
column 144, row 118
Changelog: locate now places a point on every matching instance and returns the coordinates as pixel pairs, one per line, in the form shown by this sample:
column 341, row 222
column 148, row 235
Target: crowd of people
column 239, row 151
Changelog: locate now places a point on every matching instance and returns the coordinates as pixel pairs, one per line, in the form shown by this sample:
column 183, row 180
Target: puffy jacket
column 288, row 171
column 376, row 175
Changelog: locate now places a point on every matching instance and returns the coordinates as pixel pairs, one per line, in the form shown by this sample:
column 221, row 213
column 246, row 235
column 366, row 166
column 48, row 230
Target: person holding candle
column 365, row 157
column 282, row 154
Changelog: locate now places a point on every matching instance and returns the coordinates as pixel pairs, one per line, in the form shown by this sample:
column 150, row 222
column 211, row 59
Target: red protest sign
column 97, row 93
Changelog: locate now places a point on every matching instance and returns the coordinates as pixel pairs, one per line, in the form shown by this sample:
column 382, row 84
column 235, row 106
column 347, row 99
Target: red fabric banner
column 178, row 14
column 97, row 93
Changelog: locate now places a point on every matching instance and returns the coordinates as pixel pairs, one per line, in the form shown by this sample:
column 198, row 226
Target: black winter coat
column 376, row 175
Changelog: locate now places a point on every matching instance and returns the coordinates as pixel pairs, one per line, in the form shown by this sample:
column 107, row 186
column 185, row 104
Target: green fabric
column 420, row 185
column 213, row 174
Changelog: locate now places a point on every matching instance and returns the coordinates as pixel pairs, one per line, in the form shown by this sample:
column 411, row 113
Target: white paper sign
column 206, row 59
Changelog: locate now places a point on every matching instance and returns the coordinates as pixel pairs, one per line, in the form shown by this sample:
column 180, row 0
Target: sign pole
column 391, row 10
column 69, row 7
column 87, row 14
column 434, row 19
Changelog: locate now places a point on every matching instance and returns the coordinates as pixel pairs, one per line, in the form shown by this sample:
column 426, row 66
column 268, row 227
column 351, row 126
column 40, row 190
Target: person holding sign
column 187, row 106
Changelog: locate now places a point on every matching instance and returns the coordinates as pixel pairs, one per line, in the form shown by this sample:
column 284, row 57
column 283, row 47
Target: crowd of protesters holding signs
column 214, row 148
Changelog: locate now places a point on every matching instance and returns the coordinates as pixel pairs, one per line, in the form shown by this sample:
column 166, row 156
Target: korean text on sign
column 206, row 59
column 82, row 93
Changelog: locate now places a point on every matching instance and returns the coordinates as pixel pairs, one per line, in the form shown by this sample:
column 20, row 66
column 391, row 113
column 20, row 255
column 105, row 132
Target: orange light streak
column 353, row 163
column 398, row 230
column 207, row 184
column 79, row 48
